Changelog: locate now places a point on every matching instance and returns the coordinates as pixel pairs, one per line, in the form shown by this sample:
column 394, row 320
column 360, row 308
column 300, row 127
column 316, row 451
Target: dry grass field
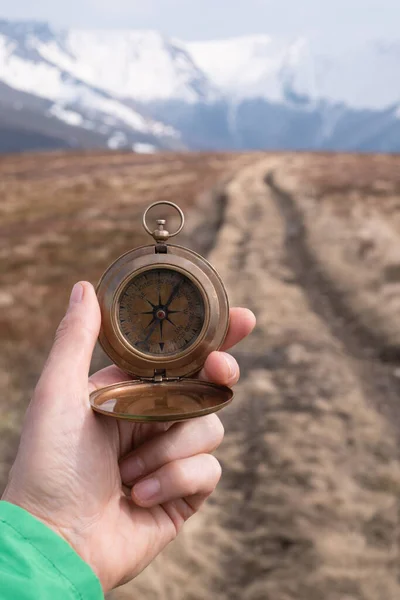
column 63, row 218
column 307, row 508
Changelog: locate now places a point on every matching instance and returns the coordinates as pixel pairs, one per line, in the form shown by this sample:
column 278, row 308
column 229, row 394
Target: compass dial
column 161, row 312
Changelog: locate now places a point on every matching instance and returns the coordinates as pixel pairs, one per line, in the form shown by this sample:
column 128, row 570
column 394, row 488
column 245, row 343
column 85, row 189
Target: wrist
column 73, row 538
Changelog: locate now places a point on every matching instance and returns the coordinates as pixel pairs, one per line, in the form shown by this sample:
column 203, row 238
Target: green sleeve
column 36, row 563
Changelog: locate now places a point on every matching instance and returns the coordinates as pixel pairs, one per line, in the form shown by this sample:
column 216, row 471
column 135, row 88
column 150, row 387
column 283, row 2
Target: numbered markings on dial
column 161, row 312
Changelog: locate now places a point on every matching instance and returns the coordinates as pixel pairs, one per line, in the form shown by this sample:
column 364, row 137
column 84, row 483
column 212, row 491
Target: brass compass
column 164, row 310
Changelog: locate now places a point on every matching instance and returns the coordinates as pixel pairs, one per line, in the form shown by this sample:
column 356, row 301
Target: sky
column 333, row 21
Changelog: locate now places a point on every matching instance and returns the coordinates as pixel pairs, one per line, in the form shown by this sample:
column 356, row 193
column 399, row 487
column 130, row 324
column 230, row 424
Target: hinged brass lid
column 140, row 401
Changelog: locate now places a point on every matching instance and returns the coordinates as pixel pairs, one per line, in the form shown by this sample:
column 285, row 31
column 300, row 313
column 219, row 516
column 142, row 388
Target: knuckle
column 183, row 478
column 72, row 323
column 169, row 450
column 215, row 470
column 215, row 428
column 62, row 330
column 237, row 375
column 199, row 477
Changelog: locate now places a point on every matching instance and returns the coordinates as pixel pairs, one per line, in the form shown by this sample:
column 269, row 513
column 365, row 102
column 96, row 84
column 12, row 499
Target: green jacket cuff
column 35, row 560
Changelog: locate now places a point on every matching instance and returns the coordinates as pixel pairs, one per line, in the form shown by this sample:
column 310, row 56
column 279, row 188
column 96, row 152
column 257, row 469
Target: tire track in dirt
column 363, row 348
column 308, row 505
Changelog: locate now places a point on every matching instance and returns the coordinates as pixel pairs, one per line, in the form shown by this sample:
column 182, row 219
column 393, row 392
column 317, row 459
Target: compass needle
column 159, row 289
column 174, row 292
column 149, row 334
column 151, row 323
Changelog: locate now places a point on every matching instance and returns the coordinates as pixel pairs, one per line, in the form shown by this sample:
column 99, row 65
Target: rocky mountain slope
column 37, row 75
column 307, row 508
column 118, row 89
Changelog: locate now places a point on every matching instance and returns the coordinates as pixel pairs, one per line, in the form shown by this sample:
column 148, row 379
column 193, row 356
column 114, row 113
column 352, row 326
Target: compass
column 164, row 310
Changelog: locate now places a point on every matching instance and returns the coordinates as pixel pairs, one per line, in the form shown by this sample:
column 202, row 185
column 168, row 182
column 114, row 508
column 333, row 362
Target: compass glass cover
column 161, row 312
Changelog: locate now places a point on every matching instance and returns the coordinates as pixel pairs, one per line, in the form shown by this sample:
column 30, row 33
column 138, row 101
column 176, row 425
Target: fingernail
column 132, row 469
column 146, row 489
column 232, row 366
column 76, row 294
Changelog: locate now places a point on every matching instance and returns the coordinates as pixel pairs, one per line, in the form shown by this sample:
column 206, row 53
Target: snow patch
column 40, row 79
column 144, row 148
column 118, row 140
column 68, row 116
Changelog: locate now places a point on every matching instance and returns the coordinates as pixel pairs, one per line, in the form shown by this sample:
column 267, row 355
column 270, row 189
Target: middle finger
column 182, row 440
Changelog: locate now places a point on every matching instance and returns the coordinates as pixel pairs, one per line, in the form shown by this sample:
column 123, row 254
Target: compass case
column 162, row 391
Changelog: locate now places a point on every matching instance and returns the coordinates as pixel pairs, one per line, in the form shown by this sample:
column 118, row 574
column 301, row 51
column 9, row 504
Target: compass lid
column 140, row 401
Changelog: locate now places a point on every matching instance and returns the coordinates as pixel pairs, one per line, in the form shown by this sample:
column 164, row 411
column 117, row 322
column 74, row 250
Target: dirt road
column 308, row 505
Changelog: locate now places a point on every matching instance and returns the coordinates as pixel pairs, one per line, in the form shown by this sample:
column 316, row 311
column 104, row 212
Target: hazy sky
column 336, row 20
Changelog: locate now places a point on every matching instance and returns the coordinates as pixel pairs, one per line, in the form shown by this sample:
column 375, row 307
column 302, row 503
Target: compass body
column 164, row 310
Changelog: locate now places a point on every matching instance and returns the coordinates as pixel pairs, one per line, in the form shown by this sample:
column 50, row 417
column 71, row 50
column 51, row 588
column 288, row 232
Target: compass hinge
column 160, row 376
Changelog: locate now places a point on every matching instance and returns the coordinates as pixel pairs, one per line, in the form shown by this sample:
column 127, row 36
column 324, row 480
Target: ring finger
column 192, row 477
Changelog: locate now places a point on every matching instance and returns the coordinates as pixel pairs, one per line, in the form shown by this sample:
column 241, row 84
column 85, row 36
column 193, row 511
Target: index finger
column 107, row 376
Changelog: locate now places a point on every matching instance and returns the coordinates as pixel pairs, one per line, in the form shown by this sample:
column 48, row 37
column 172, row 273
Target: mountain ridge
column 134, row 87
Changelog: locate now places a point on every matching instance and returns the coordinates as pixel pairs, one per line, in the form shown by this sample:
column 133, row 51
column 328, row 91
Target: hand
column 117, row 492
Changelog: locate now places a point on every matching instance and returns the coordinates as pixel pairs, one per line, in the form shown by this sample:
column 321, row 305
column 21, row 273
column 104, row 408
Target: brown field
column 308, row 505
column 64, row 218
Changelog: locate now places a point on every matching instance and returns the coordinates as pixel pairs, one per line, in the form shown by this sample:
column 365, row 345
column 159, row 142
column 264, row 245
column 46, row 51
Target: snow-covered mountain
column 39, row 62
column 141, row 65
column 367, row 78
column 256, row 66
column 139, row 89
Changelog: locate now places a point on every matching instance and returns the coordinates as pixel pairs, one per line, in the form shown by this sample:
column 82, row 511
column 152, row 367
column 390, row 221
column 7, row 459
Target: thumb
column 69, row 360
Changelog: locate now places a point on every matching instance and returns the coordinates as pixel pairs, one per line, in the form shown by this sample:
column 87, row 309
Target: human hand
column 117, row 492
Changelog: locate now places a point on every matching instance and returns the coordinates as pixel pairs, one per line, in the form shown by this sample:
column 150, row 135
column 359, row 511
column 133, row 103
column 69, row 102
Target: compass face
column 161, row 312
